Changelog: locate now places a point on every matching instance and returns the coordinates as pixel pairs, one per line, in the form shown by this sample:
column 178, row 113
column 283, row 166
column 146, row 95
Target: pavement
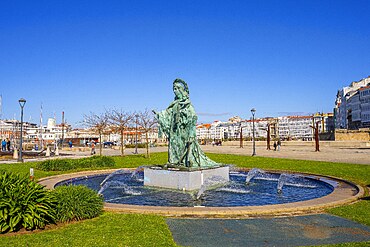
column 292, row 150
column 343, row 154
column 305, row 230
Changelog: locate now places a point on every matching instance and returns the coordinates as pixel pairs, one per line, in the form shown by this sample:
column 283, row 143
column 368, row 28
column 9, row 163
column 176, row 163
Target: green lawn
column 107, row 230
column 149, row 230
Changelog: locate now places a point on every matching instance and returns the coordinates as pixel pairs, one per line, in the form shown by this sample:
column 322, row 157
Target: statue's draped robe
column 178, row 123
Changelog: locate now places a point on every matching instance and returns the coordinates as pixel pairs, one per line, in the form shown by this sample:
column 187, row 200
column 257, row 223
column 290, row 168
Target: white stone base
column 183, row 180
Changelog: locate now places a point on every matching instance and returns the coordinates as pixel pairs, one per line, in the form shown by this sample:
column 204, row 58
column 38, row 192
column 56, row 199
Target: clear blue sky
column 277, row 56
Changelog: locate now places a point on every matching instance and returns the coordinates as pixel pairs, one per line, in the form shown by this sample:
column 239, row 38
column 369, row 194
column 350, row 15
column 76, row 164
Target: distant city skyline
column 88, row 56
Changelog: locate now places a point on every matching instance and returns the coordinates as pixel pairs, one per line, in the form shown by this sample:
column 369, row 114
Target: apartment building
column 364, row 97
column 351, row 109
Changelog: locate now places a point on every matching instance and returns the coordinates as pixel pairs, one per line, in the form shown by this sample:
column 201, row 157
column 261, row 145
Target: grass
column 130, row 161
column 107, row 230
column 149, row 230
column 354, row 172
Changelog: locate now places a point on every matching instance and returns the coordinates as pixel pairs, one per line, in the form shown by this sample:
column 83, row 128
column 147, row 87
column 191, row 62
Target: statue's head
column 180, row 88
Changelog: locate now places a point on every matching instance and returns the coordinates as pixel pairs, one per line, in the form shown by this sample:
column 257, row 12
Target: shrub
column 77, row 203
column 95, row 161
column 24, row 203
column 70, row 164
column 56, row 165
column 139, row 145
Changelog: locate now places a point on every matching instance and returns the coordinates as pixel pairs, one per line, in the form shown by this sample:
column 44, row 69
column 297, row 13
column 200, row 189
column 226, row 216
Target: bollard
column 15, row 154
column 56, row 151
column 47, row 152
column 31, row 173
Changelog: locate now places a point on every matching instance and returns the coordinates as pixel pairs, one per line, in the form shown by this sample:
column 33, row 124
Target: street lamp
column 253, row 111
column 136, row 116
column 22, row 102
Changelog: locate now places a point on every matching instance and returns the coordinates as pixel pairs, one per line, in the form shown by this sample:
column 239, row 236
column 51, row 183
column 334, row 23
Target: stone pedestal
column 183, row 180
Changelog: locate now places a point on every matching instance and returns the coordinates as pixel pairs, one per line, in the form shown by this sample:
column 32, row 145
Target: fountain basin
column 344, row 192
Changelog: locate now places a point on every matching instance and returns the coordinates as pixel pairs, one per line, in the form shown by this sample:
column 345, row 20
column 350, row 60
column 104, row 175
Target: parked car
column 108, row 144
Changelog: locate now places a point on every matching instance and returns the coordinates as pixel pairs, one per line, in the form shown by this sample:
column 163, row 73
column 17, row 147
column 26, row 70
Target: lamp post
column 22, row 102
column 136, row 116
column 63, row 131
column 268, row 136
column 253, row 111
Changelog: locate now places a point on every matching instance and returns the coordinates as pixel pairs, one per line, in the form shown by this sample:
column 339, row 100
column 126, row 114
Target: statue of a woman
column 178, row 123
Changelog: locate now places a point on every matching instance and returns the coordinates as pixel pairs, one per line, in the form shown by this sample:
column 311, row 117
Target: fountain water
column 122, row 171
column 253, row 173
column 117, row 184
column 293, row 180
column 214, row 192
column 211, row 183
column 136, row 173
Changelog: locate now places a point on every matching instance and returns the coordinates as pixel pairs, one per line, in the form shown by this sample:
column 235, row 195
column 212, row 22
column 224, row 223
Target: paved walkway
column 306, row 230
column 356, row 155
column 302, row 152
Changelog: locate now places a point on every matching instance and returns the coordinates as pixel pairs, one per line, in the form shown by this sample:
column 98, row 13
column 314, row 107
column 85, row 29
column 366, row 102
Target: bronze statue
column 178, row 123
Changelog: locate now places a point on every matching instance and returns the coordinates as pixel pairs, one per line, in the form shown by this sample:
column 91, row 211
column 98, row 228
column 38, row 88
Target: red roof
column 363, row 88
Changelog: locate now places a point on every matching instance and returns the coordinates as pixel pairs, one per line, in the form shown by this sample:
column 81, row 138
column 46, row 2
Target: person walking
column 275, row 145
column 8, row 144
column 3, row 145
column 278, row 145
column 92, row 148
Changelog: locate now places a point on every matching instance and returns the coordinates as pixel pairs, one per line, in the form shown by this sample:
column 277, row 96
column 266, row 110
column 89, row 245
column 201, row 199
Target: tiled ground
column 306, row 230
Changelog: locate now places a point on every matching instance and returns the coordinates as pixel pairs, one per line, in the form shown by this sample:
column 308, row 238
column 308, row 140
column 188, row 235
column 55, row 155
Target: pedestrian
column 8, row 144
column 70, row 144
column 275, row 145
column 3, row 145
column 92, row 148
column 278, row 145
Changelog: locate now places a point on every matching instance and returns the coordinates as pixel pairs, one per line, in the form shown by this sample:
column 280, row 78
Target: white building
column 296, row 127
column 349, row 106
column 364, row 97
column 287, row 127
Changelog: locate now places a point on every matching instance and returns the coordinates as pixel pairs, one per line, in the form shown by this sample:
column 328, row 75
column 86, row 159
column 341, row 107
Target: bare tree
column 146, row 122
column 120, row 121
column 99, row 123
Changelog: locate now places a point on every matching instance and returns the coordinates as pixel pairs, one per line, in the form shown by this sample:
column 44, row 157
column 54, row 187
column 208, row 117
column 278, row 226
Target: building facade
column 351, row 109
column 285, row 127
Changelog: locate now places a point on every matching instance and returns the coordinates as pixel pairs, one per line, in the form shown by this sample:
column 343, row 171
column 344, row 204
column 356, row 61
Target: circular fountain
column 127, row 187
column 264, row 193
column 192, row 184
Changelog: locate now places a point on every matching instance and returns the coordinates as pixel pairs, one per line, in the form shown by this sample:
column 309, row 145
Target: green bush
column 56, row 165
column 95, row 161
column 139, row 145
column 77, row 203
column 24, row 203
column 71, row 164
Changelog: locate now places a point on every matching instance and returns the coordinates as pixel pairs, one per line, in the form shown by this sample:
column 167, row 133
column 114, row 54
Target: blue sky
column 279, row 57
